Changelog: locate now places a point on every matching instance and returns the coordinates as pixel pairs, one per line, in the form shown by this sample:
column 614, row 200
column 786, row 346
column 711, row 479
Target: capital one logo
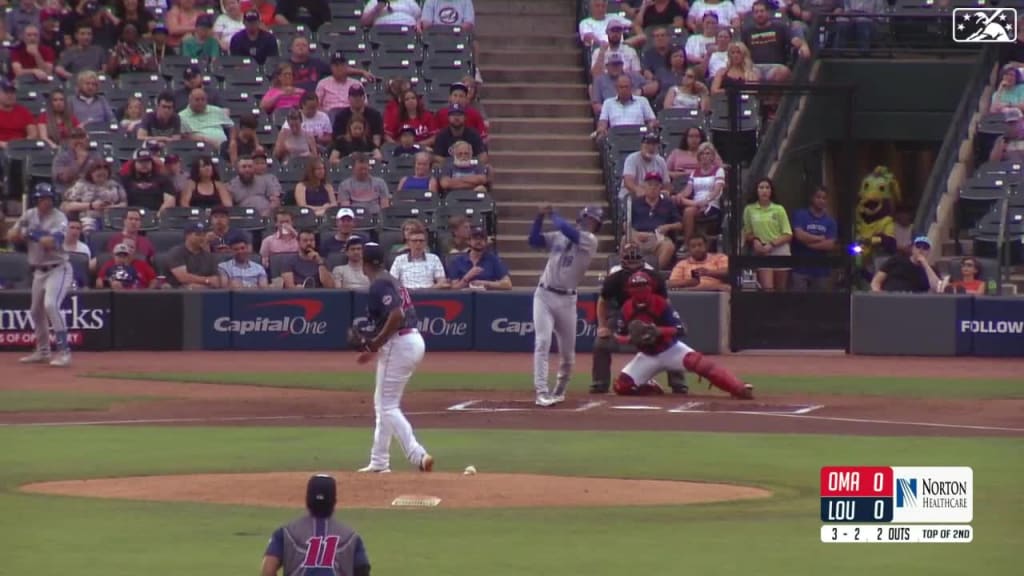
column 444, row 325
column 300, row 319
column 586, row 322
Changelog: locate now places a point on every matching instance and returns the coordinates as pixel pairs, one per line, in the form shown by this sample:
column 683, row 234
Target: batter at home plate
column 554, row 302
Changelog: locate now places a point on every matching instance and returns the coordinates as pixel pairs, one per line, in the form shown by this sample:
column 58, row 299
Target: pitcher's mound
column 287, row 489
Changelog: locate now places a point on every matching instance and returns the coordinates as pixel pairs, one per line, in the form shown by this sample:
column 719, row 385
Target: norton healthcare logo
column 984, row 25
column 933, row 494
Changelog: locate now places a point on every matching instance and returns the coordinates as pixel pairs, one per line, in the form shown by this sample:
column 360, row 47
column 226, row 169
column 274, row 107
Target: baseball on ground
column 470, row 470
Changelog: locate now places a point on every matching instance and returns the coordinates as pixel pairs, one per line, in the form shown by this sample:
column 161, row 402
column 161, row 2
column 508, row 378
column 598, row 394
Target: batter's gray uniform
column 51, row 276
column 554, row 301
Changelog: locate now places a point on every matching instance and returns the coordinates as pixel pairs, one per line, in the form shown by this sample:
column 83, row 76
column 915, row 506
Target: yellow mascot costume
column 879, row 195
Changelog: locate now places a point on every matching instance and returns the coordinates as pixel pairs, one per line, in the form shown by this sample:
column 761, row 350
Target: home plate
column 740, row 407
column 416, row 501
column 636, row 407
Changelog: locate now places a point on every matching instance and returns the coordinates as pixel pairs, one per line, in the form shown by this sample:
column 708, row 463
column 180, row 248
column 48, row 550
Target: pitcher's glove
column 357, row 340
column 643, row 335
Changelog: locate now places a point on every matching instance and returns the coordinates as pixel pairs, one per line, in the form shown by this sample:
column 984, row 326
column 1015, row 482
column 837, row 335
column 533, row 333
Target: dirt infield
column 286, row 489
column 208, row 404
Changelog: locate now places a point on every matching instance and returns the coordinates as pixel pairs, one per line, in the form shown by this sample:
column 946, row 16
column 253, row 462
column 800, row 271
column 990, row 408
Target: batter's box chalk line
column 493, row 406
column 744, row 408
column 472, row 406
column 416, row 501
column 637, row 407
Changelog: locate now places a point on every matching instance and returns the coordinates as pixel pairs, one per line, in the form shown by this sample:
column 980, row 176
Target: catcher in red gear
column 651, row 324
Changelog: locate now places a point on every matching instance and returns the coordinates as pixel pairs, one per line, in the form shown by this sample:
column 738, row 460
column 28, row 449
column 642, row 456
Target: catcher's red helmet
column 640, row 284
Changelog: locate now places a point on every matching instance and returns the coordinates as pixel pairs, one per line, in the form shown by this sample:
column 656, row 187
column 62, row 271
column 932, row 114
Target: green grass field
column 845, row 385
column 773, row 537
column 49, row 534
column 38, row 401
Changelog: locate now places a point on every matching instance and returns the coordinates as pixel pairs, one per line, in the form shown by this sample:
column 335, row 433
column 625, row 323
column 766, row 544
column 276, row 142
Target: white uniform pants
column 553, row 313
column 644, row 367
column 396, row 362
column 49, row 289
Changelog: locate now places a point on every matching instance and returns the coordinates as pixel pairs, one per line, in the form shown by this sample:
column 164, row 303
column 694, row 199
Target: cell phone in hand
column 695, row 274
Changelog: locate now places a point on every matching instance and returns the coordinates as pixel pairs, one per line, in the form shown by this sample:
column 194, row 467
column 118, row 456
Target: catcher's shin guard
column 718, row 376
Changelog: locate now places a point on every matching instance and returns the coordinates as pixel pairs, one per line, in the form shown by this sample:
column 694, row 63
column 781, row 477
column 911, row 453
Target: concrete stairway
column 540, row 118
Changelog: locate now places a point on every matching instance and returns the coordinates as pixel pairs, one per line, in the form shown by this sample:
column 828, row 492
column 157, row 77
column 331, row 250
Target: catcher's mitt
column 357, row 340
column 643, row 334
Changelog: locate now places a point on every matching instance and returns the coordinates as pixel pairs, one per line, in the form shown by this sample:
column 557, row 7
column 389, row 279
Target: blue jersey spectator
column 814, row 232
column 478, row 268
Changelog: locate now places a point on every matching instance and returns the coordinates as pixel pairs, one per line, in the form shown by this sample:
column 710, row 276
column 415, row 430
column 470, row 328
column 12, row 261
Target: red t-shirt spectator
column 143, row 277
column 27, row 61
column 267, row 11
column 473, row 119
column 143, row 246
column 65, row 131
column 424, row 124
column 14, row 123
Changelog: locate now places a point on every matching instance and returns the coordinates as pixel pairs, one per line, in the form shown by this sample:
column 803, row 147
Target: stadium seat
column 244, row 218
column 164, row 240
column 393, row 216
column 98, row 240
column 278, row 262
column 173, row 66
column 355, row 48
column 80, row 265
column 391, row 65
column 224, row 65
column 177, row 217
column 1003, row 167
column 113, row 218
column 420, row 197
column 148, row 84
column 302, row 217
column 14, row 271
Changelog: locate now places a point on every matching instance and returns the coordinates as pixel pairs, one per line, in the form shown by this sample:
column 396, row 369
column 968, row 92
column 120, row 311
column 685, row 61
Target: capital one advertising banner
column 996, row 326
column 504, row 322
column 444, row 318
column 292, row 320
column 86, row 315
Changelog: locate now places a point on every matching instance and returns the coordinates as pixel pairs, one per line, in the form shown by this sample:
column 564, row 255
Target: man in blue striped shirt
column 241, row 271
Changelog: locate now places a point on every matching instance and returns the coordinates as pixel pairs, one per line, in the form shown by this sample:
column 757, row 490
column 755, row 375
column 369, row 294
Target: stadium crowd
column 176, row 133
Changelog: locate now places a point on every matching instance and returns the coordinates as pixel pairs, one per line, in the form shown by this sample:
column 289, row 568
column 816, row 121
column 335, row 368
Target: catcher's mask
column 631, row 257
column 640, row 287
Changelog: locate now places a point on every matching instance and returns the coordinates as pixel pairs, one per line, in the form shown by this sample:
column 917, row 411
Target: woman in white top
column 228, row 23
column 718, row 55
column 395, row 13
column 690, row 93
column 726, row 11
column 703, row 193
column 699, row 46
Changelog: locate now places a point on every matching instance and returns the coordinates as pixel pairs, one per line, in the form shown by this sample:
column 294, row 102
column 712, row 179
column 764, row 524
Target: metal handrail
column 949, row 153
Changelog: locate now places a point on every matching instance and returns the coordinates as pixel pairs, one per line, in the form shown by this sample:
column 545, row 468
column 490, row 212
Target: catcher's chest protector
column 652, row 313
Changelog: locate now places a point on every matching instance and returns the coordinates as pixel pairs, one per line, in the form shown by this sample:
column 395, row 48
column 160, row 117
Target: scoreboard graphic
column 919, row 504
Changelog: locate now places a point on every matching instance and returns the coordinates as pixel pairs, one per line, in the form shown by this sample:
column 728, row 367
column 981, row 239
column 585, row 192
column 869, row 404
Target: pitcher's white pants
column 396, row 362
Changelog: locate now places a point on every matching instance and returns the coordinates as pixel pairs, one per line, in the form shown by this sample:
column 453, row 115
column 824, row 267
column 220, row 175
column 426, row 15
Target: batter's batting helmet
column 592, row 212
column 44, row 190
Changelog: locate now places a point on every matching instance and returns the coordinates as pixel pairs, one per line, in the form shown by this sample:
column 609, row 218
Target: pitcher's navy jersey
column 386, row 294
column 318, row 547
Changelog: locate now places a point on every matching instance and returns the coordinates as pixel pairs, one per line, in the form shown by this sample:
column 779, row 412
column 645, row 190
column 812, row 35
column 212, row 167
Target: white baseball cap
column 346, row 212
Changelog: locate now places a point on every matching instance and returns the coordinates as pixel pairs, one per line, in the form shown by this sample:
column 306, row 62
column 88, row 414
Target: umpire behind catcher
column 613, row 295
column 316, row 544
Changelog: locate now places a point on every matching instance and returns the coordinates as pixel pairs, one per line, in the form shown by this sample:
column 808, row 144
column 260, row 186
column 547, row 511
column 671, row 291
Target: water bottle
column 992, row 288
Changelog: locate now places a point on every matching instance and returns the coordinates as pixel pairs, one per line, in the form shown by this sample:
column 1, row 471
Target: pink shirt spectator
column 277, row 244
column 333, row 94
column 286, row 101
